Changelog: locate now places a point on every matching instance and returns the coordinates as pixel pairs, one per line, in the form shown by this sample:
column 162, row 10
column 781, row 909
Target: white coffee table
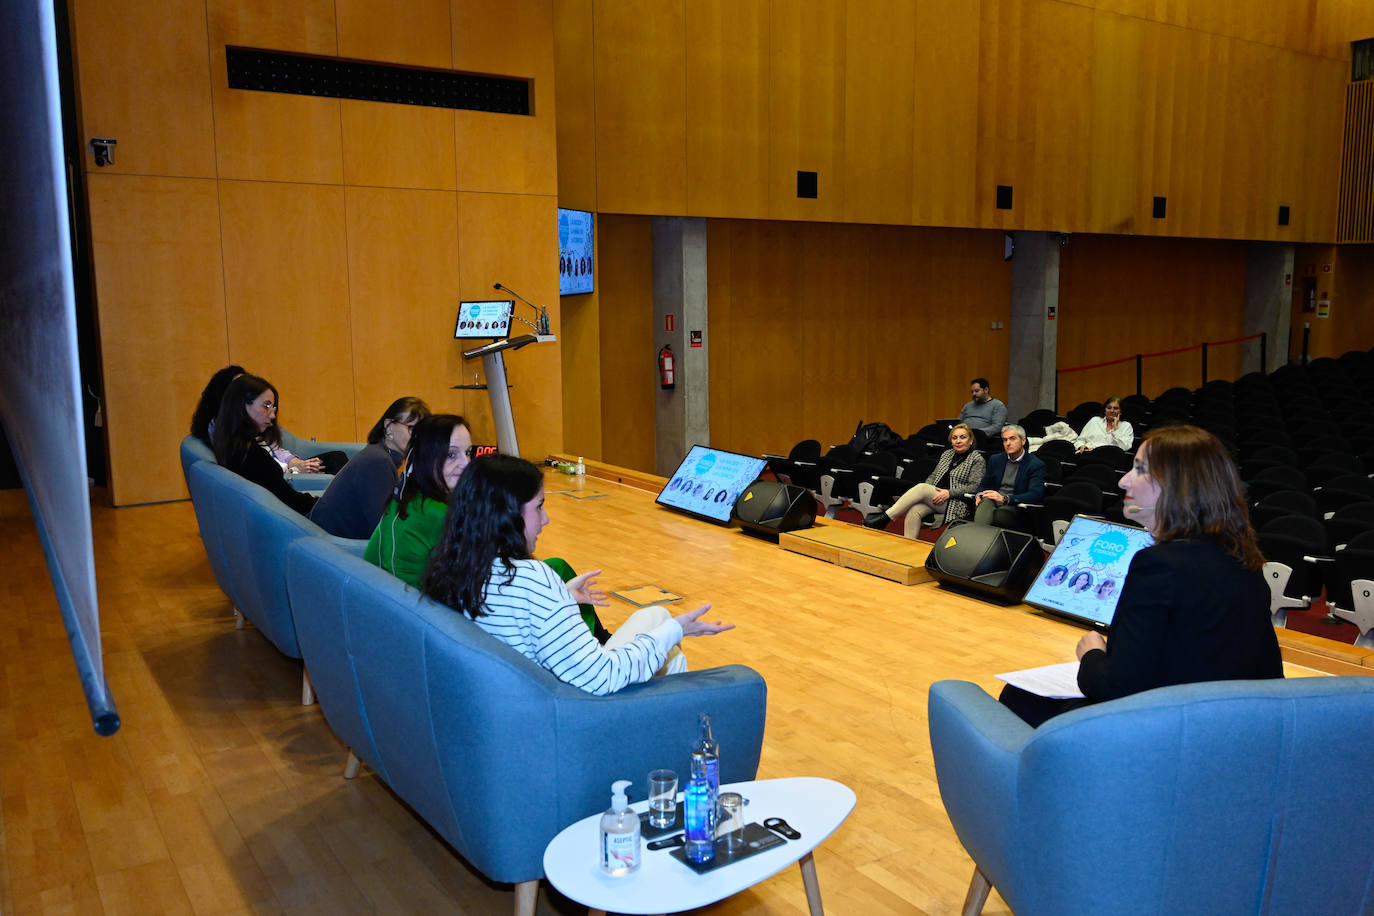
column 815, row 807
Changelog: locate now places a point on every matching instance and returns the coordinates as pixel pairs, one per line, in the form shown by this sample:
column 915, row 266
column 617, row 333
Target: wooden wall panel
column 1004, row 119
column 880, row 110
column 1122, row 296
column 286, row 291
column 580, row 343
column 727, row 48
column 398, row 146
column 403, row 289
column 513, row 238
column 641, row 108
column 946, row 128
column 143, row 80
column 499, row 152
column 415, row 32
column 273, row 136
column 575, row 88
column 806, row 121
column 1058, row 88
column 818, row 326
column 626, row 294
column 1121, row 147
column 162, row 327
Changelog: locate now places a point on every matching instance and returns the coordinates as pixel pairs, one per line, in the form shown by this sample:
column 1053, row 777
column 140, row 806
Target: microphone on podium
column 543, row 327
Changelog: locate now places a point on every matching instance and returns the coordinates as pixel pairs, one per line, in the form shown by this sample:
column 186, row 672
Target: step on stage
column 878, row 553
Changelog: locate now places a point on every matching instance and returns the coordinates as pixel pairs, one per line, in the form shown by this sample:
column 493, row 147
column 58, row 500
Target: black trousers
column 1035, row 710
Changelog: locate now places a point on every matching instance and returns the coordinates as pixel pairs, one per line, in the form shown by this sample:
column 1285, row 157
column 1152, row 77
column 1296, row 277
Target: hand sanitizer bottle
column 619, row 833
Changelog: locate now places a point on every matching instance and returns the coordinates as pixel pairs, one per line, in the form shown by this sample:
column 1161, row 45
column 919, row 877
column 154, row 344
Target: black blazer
column 261, row 468
column 1030, row 478
column 1188, row 613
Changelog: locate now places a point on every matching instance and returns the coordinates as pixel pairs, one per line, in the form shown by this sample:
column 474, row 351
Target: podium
column 498, row 391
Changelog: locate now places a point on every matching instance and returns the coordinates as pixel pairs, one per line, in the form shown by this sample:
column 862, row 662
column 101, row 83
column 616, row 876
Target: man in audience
column 1015, row 476
column 984, row 412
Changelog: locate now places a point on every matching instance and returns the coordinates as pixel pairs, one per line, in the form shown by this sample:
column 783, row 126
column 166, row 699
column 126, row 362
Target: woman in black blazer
column 245, row 431
column 1194, row 606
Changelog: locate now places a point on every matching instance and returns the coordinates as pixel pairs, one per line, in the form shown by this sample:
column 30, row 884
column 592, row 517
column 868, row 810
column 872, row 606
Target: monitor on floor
column 708, row 481
column 1083, row 577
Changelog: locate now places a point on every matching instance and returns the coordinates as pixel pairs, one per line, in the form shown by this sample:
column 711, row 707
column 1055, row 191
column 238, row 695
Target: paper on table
column 1054, row 681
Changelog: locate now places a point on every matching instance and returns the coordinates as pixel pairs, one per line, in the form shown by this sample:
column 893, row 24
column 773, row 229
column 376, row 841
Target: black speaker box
column 770, row 507
column 994, row 562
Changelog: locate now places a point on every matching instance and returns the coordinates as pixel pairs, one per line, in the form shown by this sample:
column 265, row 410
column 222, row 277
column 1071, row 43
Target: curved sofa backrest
column 491, row 749
column 309, row 448
column 253, row 530
column 205, row 498
column 1201, row 796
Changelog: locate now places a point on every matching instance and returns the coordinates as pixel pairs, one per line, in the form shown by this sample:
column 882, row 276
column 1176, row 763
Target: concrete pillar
column 682, row 415
column 1033, row 350
column 1268, row 303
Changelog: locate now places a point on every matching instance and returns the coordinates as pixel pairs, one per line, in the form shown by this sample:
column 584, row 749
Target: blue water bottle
column 699, row 812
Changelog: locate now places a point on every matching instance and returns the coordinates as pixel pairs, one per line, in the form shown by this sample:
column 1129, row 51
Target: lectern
column 494, row 365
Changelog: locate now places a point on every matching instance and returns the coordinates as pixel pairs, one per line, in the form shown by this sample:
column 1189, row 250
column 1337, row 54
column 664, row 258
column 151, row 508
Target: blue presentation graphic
column 574, row 252
column 1084, row 575
column 708, row 481
column 479, row 320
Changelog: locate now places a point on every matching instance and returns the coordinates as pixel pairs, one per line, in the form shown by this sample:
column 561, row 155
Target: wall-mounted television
column 574, row 252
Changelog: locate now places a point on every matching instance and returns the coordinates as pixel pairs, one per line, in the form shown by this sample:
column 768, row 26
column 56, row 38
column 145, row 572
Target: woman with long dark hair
column 1194, row 606
column 245, row 432
column 354, row 501
column 210, row 399
column 484, row 567
column 410, row 526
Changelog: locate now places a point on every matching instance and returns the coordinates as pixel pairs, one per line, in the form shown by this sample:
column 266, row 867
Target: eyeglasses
column 410, row 425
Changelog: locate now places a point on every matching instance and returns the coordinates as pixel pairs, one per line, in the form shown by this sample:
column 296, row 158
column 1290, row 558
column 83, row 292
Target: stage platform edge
column 887, row 556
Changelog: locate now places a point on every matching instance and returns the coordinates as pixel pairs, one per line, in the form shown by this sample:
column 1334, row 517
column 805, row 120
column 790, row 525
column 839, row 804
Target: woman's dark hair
column 208, row 406
column 1082, row 575
column 235, row 431
column 483, row 525
column 1061, row 571
column 1199, row 492
column 402, row 410
column 1109, row 400
column 424, row 473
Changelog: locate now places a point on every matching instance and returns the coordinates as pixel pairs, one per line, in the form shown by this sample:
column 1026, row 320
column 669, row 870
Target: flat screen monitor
column 485, row 320
column 708, row 481
column 574, row 252
column 1083, row 577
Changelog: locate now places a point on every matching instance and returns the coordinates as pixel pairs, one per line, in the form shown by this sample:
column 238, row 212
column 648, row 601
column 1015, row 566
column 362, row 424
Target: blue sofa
column 246, row 530
column 492, row 750
column 1225, row 797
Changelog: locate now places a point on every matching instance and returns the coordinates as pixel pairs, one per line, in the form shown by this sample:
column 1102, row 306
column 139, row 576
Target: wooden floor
column 221, row 794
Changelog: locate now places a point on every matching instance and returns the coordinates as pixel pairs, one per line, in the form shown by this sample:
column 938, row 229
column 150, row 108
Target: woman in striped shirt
column 483, row 566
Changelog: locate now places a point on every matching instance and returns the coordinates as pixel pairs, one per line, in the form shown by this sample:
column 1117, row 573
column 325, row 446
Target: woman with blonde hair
column 1194, row 606
column 956, row 474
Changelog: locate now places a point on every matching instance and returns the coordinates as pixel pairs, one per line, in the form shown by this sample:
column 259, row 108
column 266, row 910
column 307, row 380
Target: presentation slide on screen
column 574, row 252
column 1084, row 575
column 481, row 320
column 709, row 481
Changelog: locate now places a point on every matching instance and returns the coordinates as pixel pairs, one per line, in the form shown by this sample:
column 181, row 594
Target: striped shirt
column 536, row 615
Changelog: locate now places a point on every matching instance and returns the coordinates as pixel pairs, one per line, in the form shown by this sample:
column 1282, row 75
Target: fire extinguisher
column 665, row 368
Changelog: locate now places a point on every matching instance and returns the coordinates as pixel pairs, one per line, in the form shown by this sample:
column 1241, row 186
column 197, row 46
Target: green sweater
column 402, row 546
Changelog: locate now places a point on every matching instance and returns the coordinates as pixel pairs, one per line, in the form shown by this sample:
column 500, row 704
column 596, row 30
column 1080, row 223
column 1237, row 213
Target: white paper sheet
column 1054, row 681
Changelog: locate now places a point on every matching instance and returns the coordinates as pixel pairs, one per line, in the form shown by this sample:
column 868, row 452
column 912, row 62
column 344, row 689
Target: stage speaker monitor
column 770, row 507
column 994, row 562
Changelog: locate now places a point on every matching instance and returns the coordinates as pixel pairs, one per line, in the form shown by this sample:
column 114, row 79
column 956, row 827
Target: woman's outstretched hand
column 693, row 625
column 584, row 591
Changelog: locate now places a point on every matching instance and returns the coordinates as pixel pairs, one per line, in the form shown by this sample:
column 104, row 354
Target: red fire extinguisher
column 665, row 368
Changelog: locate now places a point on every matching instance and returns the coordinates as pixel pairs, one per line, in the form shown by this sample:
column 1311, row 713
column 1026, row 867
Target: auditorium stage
column 221, row 794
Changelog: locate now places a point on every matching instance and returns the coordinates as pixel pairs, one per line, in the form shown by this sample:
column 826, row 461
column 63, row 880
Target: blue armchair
column 1224, row 797
column 309, row 448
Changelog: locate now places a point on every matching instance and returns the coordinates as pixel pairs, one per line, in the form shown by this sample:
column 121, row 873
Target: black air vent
column 330, row 77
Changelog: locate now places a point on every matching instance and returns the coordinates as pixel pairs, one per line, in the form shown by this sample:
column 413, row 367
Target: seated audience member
column 1014, row 476
column 245, row 432
column 984, row 412
column 1108, row 429
column 956, row 474
column 203, row 420
column 440, row 449
column 353, row 503
column 484, row 567
column 1194, row 605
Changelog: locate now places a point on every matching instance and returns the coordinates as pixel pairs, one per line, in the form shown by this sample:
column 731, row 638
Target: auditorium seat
column 1077, row 497
column 1284, row 502
column 1294, row 548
